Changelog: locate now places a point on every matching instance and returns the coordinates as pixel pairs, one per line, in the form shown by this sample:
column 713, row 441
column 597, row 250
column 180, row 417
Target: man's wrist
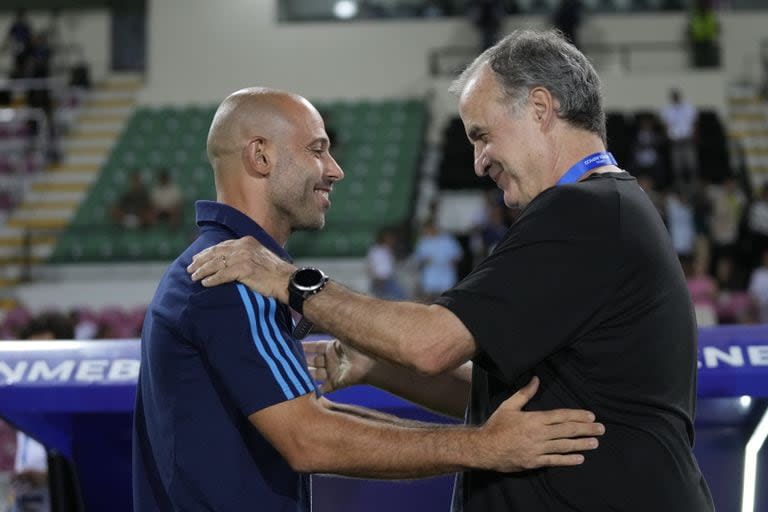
column 284, row 275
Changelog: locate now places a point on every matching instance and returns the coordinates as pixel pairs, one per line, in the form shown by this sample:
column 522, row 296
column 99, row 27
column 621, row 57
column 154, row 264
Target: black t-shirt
column 586, row 292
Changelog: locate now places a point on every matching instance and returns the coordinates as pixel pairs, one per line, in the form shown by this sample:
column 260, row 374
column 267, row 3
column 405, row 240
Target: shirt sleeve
column 247, row 348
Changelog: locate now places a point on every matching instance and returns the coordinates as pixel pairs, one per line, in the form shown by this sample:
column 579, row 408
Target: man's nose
column 481, row 163
column 334, row 170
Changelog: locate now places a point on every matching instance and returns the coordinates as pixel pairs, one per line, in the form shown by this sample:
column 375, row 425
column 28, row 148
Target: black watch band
column 304, row 282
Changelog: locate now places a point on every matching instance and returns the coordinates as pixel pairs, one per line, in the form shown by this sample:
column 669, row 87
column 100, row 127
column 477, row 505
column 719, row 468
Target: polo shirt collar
column 237, row 222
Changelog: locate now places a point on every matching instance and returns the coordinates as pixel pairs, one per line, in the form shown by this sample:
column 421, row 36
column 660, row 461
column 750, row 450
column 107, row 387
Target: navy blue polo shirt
column 210, row 357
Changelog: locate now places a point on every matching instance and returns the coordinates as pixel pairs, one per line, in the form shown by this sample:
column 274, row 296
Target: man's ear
column 544, row 106
column 257, row 158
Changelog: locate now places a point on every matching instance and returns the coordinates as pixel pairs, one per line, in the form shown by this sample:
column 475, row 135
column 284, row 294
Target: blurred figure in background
column 134, row 208
column 727, row 203
column 703, row 290
column 757, row 223
column 703, row 35
column 487, row 16
column 380, row 264
column 646, row 157
column 567, row 19
column 437, row 253
column 758, row 288
column 166, row 200
column 18, row 40
column 679, row 216
column 679, row 118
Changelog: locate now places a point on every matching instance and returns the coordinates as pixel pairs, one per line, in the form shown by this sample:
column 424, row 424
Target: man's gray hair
column 526, row 59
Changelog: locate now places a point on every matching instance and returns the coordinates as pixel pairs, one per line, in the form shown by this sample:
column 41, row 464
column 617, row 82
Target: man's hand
column 244, row 260
column 518, row 440
column 335, row 364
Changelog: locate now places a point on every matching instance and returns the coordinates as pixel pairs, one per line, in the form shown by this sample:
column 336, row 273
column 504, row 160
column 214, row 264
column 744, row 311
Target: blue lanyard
column 585, row 165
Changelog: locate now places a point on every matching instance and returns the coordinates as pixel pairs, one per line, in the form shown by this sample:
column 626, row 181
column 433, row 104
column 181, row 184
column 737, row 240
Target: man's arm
column 426, row 338
column 314, row 437
column 336, row 366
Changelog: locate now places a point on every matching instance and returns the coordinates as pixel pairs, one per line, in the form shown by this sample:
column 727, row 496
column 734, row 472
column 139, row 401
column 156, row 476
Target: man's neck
column 574, row 146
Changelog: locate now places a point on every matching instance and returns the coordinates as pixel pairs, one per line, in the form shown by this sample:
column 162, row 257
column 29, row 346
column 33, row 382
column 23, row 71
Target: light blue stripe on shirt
column 271, row 343
column 260, row 346
column 286, row 345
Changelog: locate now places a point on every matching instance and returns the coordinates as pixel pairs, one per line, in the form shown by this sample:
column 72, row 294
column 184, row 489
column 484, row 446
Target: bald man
column 227, row 417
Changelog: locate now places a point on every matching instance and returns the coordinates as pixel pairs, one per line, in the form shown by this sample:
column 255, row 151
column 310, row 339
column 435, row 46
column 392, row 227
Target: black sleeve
column 537, row 292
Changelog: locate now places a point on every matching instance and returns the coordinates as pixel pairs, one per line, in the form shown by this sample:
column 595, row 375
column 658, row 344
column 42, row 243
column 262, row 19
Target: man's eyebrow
column 323, row 141
column 474, row 132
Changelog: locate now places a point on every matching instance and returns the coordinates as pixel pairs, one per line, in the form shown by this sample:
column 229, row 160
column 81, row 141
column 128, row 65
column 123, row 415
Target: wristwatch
column 304, row 283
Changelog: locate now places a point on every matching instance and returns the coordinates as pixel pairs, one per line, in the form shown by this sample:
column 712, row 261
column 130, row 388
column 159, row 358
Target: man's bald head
column 250, row 113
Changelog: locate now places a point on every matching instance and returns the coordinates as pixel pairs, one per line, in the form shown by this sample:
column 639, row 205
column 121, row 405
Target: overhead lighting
column 745, row 401
column 345, row 9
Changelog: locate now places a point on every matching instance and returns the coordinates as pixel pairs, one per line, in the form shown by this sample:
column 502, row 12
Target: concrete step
column 112, row 124
column 89, row 133
column 748, row 117
column 48, row 205
column 43, row 187
column 757, row 109
column 84, row 168
column 38, row 197
column 19, row 261
column 9, row 303
column 46, row 223
column 122, row 79
column 103, row 116
column 119, row 93
column 86, row 159
column 746, row 135
column 109, row 104
column 35, row 239
column 68, row 177
column 71, row 144
column 55, row 214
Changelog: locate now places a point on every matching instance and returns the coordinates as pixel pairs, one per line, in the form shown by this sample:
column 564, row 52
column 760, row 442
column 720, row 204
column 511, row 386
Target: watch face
column 308, row 279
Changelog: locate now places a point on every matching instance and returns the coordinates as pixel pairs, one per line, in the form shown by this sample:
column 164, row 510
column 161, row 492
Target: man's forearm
column 446, row 393
column 402, row 333
column 362, row 448
column 374, row 415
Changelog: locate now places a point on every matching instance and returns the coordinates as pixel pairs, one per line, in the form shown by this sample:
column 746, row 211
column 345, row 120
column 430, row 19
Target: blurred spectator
column 134, row 208
column 758, row 288
column 433, row 9
column 380, row 263
column 679, row 215
column 757, row 223
column 703, row 35
column 487, row 16
column 18, row 40
column 703, row 290
column 734, row 304
column 702, row 216
column 40, row 54
column 166, row 200
column 567, row 19
column 728, row 204
column 437, row 254
column 53, row 30
column 646, row 157
column 679, row 118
